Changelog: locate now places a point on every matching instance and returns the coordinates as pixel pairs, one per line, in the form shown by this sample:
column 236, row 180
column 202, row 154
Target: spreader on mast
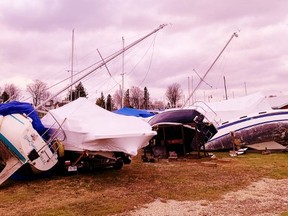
column 103, row 63
column 214, row 62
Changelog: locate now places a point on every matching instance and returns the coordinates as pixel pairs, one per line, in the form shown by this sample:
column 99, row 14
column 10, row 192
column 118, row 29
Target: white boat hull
column 255, row 128
column 21, row 144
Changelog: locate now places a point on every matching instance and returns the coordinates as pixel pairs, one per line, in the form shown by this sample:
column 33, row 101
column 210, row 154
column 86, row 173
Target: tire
column 118, row 164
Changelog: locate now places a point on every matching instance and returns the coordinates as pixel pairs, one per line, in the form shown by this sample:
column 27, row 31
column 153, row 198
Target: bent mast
column 214, row 62
column 113, row 56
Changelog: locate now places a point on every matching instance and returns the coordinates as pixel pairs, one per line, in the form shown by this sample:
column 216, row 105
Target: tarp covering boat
column 235, row 108
column 134, row 112
column 90, row 127
column 23, row 108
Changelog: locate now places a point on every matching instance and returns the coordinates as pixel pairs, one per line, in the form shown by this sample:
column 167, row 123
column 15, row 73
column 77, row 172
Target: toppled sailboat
column 248, row 119
column 181, row 131
column 254, row 128
column 95, row 136
column 22, row 141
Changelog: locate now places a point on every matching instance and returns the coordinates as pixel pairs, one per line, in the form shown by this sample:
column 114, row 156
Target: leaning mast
column 113, row 56
column 214, row 62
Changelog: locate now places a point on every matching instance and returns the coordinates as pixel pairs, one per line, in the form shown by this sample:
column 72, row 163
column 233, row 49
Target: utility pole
column 188, row 90
column 122, row 91
column 192, row 86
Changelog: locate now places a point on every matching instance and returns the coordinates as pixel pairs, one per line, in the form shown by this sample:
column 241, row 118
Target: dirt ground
column 265, row 197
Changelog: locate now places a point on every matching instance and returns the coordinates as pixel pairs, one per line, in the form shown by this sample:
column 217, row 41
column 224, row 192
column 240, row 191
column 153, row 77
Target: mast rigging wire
column 116, row 54
column 214, row 62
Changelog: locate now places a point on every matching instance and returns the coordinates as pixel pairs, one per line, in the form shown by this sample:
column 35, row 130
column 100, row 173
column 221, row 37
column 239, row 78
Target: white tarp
column 234, row 108
column 90, row 127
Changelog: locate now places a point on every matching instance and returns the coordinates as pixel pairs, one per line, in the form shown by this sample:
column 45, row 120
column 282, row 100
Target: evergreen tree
column 109, row 103
column 79, row 91
column 101, row 101
column 127, row 99
column 146, row 99
column 4, row 96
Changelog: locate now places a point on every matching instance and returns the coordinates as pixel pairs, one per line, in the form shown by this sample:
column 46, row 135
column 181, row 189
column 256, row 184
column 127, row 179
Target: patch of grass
column 108, row 191
column 56, row 211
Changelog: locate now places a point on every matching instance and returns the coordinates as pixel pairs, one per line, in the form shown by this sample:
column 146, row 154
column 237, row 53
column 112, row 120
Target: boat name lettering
column 30, row 141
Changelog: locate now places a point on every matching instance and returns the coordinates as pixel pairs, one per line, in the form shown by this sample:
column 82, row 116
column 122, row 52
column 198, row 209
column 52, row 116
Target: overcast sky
column 36, row 43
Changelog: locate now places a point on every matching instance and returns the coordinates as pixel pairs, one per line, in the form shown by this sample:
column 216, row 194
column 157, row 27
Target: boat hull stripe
column 17, row 119
column 251, row 118
column 12, row 148
column 253, row 125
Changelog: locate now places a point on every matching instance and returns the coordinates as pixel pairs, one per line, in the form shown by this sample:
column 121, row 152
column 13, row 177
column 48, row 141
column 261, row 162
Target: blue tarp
column 134, row 112
column 23, row 107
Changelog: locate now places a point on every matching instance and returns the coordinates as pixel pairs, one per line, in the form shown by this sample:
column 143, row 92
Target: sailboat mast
column 225, row 87
column 245, row 86
column 122, row 89
column 189, row 89
column 72, row 64
column 113, row 56
column 214, row 62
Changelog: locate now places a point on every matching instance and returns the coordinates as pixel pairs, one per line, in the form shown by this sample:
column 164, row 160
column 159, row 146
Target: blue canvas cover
column 23, row 107
column 134, row 112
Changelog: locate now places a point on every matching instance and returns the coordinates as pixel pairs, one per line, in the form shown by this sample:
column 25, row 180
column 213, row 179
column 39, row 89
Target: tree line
column 133, row 97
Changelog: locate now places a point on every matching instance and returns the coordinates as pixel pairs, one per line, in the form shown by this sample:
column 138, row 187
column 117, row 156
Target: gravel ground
column 264, row 197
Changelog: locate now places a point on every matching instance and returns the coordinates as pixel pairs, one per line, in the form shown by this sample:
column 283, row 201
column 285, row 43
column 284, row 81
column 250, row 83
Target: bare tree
column 38, row 91
column 158, row 105
column 117, row 98
column 137, row 97
column 12, row 91
column 173, row 94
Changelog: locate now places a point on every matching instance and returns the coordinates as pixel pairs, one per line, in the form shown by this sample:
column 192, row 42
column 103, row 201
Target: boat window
column 243, row 117
column 225, row 122
column 262, row 112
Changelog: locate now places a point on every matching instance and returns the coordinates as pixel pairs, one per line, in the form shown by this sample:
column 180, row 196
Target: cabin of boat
column 179, row 133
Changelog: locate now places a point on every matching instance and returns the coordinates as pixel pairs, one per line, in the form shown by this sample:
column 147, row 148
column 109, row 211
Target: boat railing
column 204, row 108
column 56, row 136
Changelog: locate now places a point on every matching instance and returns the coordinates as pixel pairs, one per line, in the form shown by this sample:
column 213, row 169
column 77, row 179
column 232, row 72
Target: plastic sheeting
column 234, row 108
column 90, row 126
column 134, row 112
